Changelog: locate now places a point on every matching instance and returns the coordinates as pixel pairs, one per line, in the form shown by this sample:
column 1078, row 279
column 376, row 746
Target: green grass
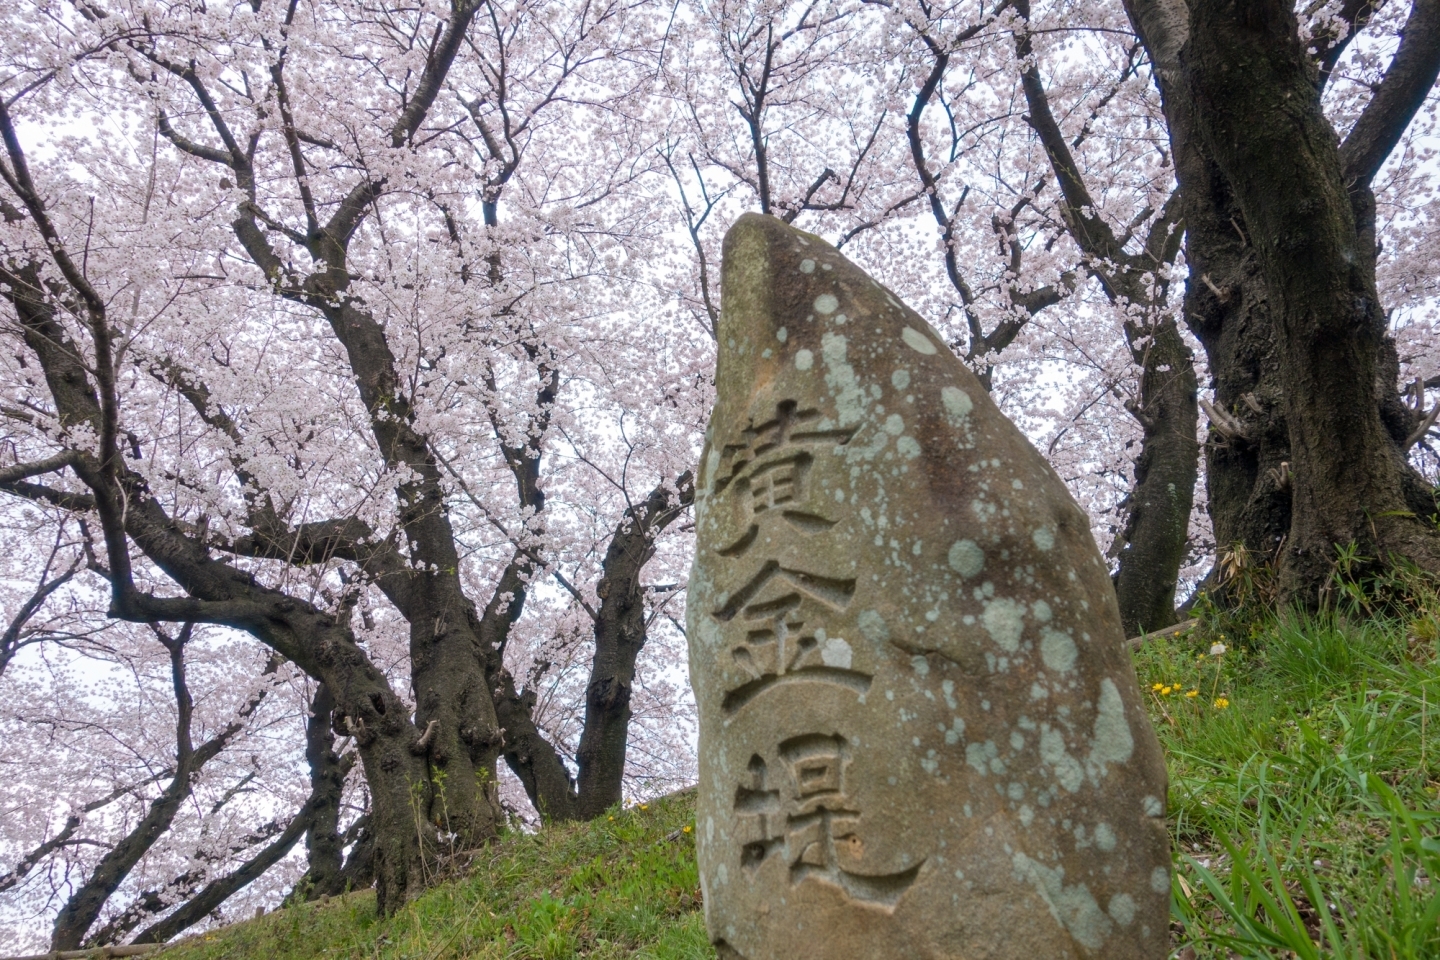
column 624, row 886
column 1305, row 810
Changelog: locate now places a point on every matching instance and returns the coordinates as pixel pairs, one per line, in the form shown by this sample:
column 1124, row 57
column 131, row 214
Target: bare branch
column 1408, row 81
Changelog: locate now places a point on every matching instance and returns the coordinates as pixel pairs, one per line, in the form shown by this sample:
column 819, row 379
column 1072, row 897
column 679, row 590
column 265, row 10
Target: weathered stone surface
column 920, row 733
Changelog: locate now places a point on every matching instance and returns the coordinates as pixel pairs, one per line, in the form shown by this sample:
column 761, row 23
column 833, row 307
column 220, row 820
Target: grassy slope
column 625, row 886
column 1321, row 765
column 1321, row 772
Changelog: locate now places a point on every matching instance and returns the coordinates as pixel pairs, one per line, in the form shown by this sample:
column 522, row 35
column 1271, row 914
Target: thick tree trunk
column 1249, row 139
column 455, row 793
column 323, row 843
column 457, row 715
column 620, row 635
column 401, row 792
column 1226, row 304
column 1258, row 112
column 1151, row 546
column 1157, row 526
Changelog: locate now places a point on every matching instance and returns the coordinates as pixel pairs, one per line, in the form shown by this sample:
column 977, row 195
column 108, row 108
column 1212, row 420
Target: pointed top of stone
column 920, row 733
column 783, row 284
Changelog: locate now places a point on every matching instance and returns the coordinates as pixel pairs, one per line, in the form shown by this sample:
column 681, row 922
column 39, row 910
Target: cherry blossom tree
column 794, row 121
column 357, row 356
column 335, row 386
column 1132, row 262
column 1280, row 126
column 968, row 62
column 136, row 772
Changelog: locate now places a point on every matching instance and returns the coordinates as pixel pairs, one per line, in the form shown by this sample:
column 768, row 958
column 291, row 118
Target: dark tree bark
column 437, row 770
column 1226, row 306
column 1248, row 448
column 1157, row 523
column 1308, row 435
column 359, row 870
column 79, row 913
column 620, row 635
column 1151, row 546
column 323, row 841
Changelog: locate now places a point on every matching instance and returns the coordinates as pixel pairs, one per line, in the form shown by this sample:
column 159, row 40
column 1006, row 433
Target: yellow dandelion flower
column 644, row 806
column 612, row 819
column 1192, row 693
column 687, row 828
column 1158, row 686
column 1221, row 703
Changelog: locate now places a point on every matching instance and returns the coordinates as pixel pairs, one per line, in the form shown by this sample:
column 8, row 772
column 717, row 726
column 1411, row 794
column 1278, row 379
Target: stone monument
column 920, row 732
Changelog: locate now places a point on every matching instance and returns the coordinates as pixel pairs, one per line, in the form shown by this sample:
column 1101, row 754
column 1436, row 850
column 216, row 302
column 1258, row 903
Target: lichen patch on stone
column 957, row 404
column 966, row 558
column 1074, row 906
column 917, row 341
column 1113, row 742
column 1057, row 651
column 1004, row 621
column 836, row 653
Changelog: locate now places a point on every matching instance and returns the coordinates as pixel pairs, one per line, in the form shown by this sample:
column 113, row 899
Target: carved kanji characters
column 808, row 819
